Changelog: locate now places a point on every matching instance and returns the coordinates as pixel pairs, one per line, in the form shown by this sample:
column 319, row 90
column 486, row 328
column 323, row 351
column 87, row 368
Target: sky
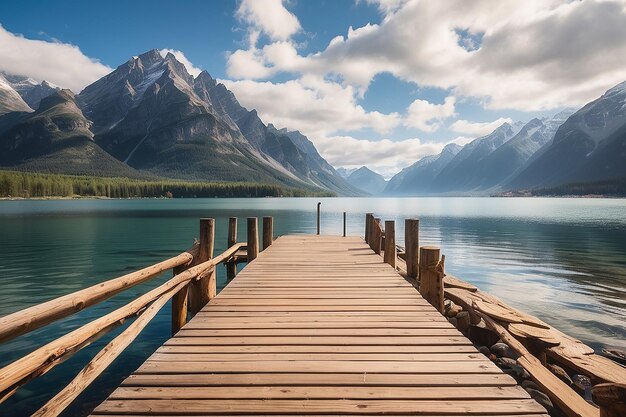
column 380, row 83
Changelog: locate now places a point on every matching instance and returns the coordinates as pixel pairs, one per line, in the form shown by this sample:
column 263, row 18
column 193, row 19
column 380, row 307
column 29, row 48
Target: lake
column 563, row 260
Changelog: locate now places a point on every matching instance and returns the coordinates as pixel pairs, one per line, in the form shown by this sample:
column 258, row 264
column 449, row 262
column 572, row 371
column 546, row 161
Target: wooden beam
column 253, row 238
column 431, row 278
column 319, row 209
column 377, row 238
column 390, row 243
column 411, row 247
column 268, row 232
column 344, row 224
column 368, row 223
column 611, row 398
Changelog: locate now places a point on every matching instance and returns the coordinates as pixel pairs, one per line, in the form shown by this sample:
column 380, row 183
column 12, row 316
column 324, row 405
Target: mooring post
column 368, row 225
column 344, row 224
column 268, row 232
column 200, row 290
column 390, row 243
column 377, row 241
column 431, row 276
column 231, row 267
column 411, row 246
column 253, row 238
column 318, row 217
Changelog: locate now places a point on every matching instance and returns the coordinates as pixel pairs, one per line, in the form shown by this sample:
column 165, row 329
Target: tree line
column 36, row 185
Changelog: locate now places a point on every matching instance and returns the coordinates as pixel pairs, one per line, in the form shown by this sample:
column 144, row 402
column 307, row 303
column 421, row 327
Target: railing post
column 431, row 276
column 368, row 226
column 611, row 398
column 344, row 224
column 411, row 246
column 377, row 239
column 200, row 293
column 179, row 304
column 253, row 238
column 319, row 204
column 231, row 267
column 390, row 243
column 268, row 232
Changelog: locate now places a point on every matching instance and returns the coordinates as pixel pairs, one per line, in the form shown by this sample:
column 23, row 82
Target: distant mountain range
column 366, row 180
column 150, row 118
column 586, row 148
column 153, row 118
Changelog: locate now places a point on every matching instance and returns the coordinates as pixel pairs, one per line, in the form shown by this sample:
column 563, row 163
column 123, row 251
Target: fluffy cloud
column 180, row 56
column 310, row 104
column 476, row 129
column 60, row 63
column 269, row 17
column 427, row 116
column 383, row 156
column 513, row 64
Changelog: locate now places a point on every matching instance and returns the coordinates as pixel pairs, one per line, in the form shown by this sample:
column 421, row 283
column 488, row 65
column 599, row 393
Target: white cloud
column 60, row 63
column 180, row 57
column 529, row 55
column 383, row 156
column 269, row 17
column 311, row 105
column 426, row 116
column 476, row 129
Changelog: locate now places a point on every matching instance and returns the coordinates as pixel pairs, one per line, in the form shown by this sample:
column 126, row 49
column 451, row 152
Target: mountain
column 418, row 178
column 497, row 167
column 589, row 146
column 457, row 175
column 10, row 100
column 153, row 115
column 367, row 180
column 56, row 139
column 345, row 172
column 30, row 90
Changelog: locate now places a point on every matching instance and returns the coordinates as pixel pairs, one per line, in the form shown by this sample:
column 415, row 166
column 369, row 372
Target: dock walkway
column 318, row 325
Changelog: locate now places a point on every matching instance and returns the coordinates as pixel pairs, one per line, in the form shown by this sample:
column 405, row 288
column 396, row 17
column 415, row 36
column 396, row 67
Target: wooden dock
column 318, row 325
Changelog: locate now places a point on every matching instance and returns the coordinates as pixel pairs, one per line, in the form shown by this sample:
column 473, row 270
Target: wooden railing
column 192, row 286
column 537, row 344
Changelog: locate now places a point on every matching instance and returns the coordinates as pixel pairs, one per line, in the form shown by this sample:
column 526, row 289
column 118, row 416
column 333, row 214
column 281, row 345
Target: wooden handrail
column 46, row 357
column 29, row 319
column 104, row 358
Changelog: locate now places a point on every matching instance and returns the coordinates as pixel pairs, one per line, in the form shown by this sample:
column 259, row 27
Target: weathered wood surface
column 318, row 325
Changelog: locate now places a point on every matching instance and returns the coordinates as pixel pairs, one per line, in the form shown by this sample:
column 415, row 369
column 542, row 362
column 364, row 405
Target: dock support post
column 390, row 243
column 368, row 226
column 200, row 291
column 268, row 232
column 431, row 276
column 344, row 224
column 377, row 239
column 411, row 246
column 253, row 238
column 231, row 267
column 318, row 216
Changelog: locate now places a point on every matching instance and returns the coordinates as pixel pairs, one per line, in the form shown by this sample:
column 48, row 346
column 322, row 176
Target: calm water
column 563, row 260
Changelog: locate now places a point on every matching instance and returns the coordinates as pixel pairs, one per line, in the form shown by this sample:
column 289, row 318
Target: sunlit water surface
column 563, row 260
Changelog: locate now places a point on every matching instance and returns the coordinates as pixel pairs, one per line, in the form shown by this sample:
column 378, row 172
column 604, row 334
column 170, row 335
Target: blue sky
column 375, row 82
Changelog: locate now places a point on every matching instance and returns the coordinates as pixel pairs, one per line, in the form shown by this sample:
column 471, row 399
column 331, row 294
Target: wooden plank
column 320, row 340
column 320, row 392
column 321, row 406
column 394, row 357
column 334, row 379
column 334, row 349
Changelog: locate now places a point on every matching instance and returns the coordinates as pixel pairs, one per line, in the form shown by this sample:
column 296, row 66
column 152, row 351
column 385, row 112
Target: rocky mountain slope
column 56, row 139
column 10, row 100
column 30, row 90
column 589, row 146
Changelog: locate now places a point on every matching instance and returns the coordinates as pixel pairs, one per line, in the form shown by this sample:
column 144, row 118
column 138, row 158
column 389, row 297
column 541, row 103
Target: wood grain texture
column 318, row 325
